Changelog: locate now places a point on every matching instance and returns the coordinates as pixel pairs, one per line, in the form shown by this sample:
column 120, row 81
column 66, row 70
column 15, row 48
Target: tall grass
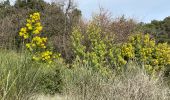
column 18, row 76
column 82, row 83
column 23, row 79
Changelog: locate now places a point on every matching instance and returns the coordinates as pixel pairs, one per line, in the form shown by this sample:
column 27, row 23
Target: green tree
column 159, row 29
column 32, row 4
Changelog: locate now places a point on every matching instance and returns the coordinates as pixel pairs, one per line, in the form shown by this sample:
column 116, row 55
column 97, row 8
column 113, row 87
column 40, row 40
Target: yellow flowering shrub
column 95, row 53
column 35, row 42
column 77, row 38
column 144, row 49
column 126, row 51
column 116, row 57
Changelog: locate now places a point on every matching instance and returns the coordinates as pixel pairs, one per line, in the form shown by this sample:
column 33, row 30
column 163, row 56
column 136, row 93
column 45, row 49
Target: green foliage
column 159, row 29
column 18, row 76
column 144, row 49
column 51, row 81
column 32, row 4
column 78, row 47
column 100, row 52
column 96, row 51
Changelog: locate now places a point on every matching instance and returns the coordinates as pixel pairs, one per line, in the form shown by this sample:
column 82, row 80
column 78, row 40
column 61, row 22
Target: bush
column 144, row 50
column 35, row 43
column 96, row 51
column 51, row 81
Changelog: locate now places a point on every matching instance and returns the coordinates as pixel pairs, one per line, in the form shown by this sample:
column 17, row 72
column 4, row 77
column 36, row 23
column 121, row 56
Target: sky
column 141, row 10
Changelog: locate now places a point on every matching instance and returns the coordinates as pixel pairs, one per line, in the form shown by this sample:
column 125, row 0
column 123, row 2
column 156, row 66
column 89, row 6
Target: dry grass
column 80, row 82
column 48, row 97
column 85, row 84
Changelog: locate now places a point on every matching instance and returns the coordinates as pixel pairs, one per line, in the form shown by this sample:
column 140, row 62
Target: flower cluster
column 33, row 26
column 145, row 50
column 39, row 41
column 23, row 33
column 126, row 50
column 34, row 41
column 162, row 54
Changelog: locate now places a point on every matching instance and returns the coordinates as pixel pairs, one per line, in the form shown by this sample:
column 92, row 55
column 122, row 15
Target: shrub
column 51, row 81
column 143, row 49
column 77, row 46
column 35, row 43
column 95, row 52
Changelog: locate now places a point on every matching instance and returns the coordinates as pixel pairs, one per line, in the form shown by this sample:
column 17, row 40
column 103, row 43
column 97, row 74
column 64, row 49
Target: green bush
column 50, row 81
column 101, row 52
column 96, row 50
column 145, row 51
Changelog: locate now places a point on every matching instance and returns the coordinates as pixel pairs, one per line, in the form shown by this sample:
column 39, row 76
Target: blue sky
column 141, row 10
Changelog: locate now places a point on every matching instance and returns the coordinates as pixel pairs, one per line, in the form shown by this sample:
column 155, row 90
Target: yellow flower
column 42, row 44
column 39, row 28
column 33, row 45
column 28, row 24
column 28, row 21
column 30, row 27
column 28, row 45
column 31, row 16
column 36, row 32
column 36, row 16
column 146, row 38
column 21, row 34
column 155, row 62
column 44, row 39
column 26, row 36
column 38, row 24
column 24, row 30
column 33, row 21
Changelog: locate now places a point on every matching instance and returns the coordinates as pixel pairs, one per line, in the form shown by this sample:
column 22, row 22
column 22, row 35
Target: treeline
column 59, row 18
column 159, row 29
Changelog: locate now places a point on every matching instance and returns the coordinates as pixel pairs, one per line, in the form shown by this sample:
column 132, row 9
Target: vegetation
column 34, row 41
column 49, row 49
column 159, row 29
